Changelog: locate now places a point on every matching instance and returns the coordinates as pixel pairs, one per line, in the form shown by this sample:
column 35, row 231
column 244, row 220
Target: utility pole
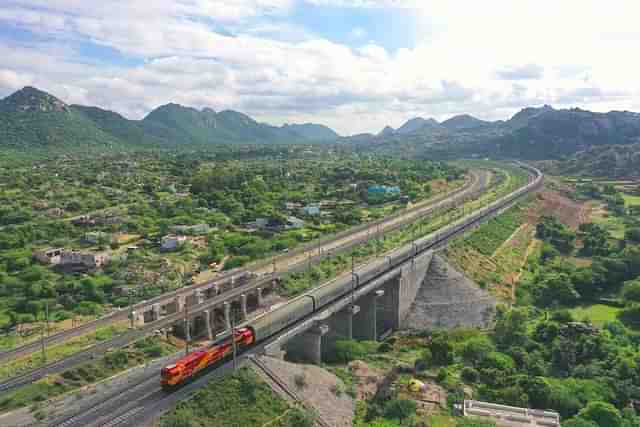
column 131, row 308
column 42, row 343
column 187, row 327
column 233, row 340
column 353, row 280
column 46, row 315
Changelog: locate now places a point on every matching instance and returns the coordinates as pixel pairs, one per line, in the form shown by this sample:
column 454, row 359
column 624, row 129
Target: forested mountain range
column 532, row 133
column 31, row 118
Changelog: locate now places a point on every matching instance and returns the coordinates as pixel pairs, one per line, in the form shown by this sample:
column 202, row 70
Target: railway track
column 287, row 390
column 477, row 186
column 142, row 403
column 261, row 266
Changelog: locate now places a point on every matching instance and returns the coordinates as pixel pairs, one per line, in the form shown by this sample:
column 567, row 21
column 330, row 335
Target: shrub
column 300, row 381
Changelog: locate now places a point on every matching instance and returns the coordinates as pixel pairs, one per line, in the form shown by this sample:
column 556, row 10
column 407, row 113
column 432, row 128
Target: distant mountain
column 419, row 125
column 312, row 131
column 387, row 131
column 613, row 161
column 129, row 131
column 548, row 133
column 32, row 119
column 522, row 118
column 464, row 122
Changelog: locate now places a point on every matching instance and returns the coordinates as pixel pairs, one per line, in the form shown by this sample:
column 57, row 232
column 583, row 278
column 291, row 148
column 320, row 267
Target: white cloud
column 486, row 58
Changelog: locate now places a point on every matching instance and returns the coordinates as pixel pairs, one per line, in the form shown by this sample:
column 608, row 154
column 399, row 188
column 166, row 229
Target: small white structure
column 510, row 416
column 172, row 242
column 311, row 210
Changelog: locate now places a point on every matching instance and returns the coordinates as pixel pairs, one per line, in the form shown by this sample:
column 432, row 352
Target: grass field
column 631, row 200
column 598, row 314
column 612, row 223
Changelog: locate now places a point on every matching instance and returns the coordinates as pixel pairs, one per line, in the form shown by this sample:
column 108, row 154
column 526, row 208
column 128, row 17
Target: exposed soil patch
column 569, row 212
column 318, row 387
column 366, row 378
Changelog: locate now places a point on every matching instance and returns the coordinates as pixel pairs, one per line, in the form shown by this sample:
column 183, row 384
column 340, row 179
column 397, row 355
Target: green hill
column 32, row 119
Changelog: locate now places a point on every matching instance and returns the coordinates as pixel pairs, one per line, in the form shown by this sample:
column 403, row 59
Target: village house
column 83, row 260
column 49, row 256
column 172, row 242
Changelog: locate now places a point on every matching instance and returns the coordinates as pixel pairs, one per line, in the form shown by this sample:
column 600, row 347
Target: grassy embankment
column 242, row 399
column 60, row 351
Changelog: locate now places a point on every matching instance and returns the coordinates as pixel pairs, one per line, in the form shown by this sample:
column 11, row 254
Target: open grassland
column 598, row 314
column 630, row 200
column 612, row 223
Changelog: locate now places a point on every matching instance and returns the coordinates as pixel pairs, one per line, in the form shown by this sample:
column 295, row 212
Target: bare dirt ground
column 569, row 212
column 322, row 390
column 367, row 379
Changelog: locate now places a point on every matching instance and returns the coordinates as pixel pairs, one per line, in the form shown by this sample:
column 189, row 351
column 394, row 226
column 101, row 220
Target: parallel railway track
column 146, row 399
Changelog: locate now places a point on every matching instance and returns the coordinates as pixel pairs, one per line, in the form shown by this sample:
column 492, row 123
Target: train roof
column 191, row 357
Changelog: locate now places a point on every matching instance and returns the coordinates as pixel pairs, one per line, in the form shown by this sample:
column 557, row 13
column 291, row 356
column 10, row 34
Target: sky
column 354, row 65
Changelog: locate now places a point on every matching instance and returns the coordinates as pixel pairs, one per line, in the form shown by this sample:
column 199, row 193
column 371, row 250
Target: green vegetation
column 59, row 351
column 87, row 373
column 232, row 206
column 598, row 314
column 241, row 399
column 488, row 238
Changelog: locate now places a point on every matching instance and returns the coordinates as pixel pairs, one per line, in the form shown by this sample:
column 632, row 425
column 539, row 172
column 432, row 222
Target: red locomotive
column 190, row 365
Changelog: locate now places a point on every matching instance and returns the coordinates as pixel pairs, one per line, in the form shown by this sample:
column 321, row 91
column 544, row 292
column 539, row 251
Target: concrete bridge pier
column 243, row 306
column 307, row 347
column 227, row 315
column 199, row 296
column 365, row 321
column 155, row 308
column 259, row 294
column 340, row 328
column 207, row 324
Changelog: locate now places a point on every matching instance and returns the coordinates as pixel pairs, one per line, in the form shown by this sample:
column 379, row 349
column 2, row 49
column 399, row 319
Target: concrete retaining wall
column 447, row 299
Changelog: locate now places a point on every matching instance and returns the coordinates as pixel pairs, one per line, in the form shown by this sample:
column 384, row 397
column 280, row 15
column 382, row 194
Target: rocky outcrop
column 447, row 299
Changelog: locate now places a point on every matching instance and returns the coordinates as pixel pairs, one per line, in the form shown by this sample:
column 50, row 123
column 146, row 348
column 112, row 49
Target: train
column 189, row 366
column 305, row 305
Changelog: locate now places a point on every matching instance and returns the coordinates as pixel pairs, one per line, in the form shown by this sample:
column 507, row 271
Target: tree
column 476, row 349
column 632, row 235
column 579, row 422
column 631, row 291
column 441, row 349
column 602, row 414
column 511, row 329
column 400, row 409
